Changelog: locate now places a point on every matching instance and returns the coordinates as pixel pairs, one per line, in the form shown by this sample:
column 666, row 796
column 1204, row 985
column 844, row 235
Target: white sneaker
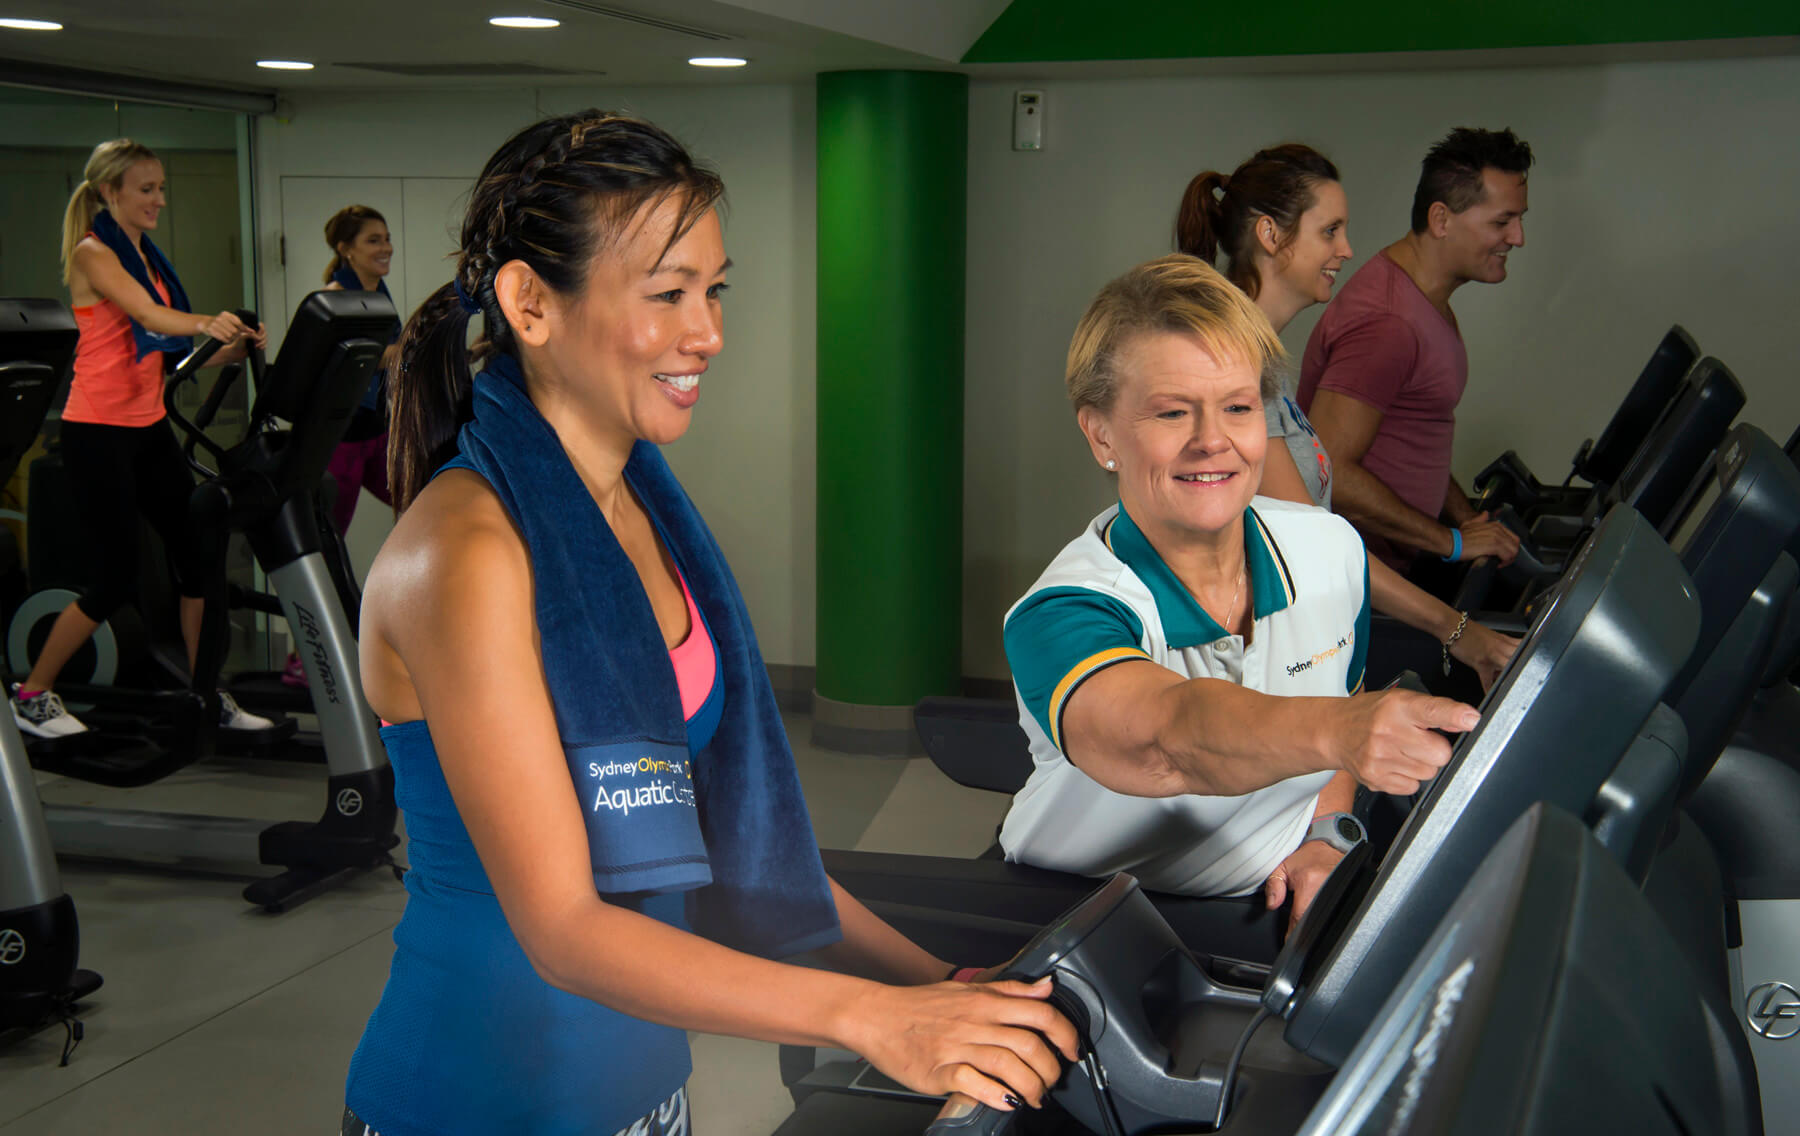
column 235, row 717
column 44, row 715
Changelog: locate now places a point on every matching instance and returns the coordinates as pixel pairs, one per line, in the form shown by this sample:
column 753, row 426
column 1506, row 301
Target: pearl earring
column 1111, row 464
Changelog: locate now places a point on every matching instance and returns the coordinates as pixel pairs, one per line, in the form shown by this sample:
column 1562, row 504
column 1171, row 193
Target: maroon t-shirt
column 1382, row 343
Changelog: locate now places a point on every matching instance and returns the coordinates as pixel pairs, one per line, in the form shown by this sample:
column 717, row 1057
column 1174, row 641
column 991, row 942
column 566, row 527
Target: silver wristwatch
column 1340, row 830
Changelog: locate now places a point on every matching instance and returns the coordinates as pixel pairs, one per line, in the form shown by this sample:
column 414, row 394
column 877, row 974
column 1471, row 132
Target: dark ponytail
column 428, row 394
column 1197, row 221
column 1218, row 213
column 554, row 196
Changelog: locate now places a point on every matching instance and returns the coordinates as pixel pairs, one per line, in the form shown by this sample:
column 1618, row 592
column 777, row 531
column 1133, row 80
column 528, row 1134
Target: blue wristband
column 1455, row 546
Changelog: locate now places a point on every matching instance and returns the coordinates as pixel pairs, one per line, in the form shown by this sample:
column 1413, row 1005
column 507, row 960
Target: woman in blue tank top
column 608, row 844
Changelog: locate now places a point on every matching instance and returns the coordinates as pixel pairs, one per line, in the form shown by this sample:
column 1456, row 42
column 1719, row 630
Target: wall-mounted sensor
column 1028, row 120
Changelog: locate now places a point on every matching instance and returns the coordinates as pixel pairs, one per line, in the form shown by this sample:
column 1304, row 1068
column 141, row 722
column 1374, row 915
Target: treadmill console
column 1592, row 669
column 1549, row 999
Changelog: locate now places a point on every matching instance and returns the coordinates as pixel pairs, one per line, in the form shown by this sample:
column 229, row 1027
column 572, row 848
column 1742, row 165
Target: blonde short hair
column 1175, row 293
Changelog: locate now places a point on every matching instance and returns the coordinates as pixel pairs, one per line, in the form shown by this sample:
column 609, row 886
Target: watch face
column 1350, row 829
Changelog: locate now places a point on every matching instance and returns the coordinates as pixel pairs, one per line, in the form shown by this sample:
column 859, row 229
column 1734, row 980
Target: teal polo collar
column 1185, row 622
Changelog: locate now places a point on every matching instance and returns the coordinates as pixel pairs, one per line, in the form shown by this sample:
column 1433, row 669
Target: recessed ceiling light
column 716, row 61
column 524, row 22
column 284, row 65
column 31, row 25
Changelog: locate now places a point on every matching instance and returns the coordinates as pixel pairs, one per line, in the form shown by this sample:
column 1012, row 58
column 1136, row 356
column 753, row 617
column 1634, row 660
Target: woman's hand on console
column 1388, row 740
column 987, row 1041
column 1484, row 650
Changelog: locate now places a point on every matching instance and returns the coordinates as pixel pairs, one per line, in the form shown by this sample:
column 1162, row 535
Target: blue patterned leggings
column 670, row 1118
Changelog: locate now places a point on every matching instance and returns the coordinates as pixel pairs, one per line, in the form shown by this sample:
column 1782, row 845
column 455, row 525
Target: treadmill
column 1508, row 481
column 1549, row 1000
column 1623, row 620
column 1661, row 482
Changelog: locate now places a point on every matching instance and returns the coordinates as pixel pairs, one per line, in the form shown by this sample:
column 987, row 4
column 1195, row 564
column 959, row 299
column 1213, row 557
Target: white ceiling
column 217, row 42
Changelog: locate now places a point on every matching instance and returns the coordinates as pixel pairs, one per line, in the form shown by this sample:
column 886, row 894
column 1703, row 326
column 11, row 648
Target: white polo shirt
column 1108, row 598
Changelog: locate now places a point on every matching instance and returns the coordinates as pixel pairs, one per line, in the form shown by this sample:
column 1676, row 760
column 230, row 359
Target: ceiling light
column 716, row 61
column 31, row 25
column 284, row 65
column 524, row 22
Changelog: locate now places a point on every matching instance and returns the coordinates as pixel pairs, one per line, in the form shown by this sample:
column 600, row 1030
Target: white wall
column 748, row 459
column 1662, row 193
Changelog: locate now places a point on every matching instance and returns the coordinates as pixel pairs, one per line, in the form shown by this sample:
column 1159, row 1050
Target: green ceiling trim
column 1043, row 31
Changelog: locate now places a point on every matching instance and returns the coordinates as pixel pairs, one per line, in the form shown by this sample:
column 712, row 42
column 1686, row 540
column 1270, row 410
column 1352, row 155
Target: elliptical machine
column 263, row 488
column 39, row 937
column 40, row 941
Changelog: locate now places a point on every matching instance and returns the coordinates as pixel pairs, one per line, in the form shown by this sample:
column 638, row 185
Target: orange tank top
column 112, row 386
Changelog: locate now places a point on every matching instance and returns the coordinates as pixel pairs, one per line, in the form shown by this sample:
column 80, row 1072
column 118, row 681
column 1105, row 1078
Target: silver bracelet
column 1451, row 642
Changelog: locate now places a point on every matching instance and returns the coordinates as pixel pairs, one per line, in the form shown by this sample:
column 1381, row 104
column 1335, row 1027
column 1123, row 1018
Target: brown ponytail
column 1276, row 183
column 1197, row 221
column 554, row 196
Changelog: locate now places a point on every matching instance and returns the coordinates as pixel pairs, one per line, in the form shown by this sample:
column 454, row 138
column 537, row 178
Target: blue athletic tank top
column 467, row 1038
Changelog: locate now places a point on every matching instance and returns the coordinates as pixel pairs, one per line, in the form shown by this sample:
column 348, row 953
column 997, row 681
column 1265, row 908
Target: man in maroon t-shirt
column 1385, row 366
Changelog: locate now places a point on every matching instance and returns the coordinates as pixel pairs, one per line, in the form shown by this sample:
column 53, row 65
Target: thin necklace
column 1231, row 612
column 1235, row 593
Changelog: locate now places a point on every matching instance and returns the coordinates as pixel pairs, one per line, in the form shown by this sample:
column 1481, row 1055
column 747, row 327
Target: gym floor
column 216, row 1016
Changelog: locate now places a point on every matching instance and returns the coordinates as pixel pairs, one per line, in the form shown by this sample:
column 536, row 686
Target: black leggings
column 116, row 474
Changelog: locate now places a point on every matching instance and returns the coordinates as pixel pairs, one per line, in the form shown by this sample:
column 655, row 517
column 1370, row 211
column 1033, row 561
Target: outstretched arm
column 106, row 276
column 1141, row 729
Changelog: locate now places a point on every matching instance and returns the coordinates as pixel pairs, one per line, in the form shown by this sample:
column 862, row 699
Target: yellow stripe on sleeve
column 1076, row 674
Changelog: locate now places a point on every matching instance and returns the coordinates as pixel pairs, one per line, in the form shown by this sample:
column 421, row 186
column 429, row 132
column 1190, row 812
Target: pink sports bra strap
column 696, row 663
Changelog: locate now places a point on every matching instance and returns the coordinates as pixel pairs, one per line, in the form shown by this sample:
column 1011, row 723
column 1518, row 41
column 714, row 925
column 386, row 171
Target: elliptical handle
column 190, row 364
column 965, row 1116
column 252, row 353
column 186, row 370
column 215, row 398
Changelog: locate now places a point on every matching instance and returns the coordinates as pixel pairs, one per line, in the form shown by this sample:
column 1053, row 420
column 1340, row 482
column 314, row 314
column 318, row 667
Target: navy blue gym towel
column 730, row 823
column 107, row 232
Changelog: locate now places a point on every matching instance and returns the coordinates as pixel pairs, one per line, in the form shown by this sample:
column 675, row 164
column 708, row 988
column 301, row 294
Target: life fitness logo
column 1773, row 1010
column 349, row 802
column 12, row 947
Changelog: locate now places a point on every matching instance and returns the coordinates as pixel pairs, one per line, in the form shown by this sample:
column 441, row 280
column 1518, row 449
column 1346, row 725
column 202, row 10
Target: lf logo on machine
column 349, row 802
column 12, row 947
column 1773, row 1010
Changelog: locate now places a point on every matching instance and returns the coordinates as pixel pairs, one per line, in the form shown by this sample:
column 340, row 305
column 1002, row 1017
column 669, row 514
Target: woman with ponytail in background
column 1282, row 221
column 608, row 841
column 121, row 457
column 361, row 253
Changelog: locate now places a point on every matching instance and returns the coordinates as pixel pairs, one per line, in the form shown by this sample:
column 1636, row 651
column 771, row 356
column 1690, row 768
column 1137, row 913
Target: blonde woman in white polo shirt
column 1189, row 668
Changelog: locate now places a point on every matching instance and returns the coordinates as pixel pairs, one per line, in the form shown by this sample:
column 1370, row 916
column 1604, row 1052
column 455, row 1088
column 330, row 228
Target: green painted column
column 892, row 215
